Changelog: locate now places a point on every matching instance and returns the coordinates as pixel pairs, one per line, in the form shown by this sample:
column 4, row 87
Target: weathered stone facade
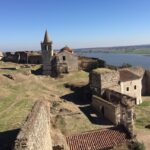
column 147, row 83
column 47, row 54
column 105, row 108
column 102, row 78
column 10, row 56
column 88, row 64
column 122, row 81
column 116, row 107
column 35, row 133
column 64, row 62
column 24, row 57
column 133, row 88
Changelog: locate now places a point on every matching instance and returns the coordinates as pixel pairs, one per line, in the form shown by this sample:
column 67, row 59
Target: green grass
column 19, row 95
column 145, row 103
column 14, row 115
column 142, row 114
column 137, row 51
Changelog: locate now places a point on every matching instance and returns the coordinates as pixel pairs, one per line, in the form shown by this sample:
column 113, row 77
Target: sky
column 76, row 23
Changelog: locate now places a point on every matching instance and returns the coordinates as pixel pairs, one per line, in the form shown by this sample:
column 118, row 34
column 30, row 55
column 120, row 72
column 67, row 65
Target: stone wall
column 35, row 133
column 46, row 61
column 109, row 80
column 147, row 78
column 125, row 113
column 69, row 60
column 88, row 64
column 23, row 57
column 101, row 81
column 117, row 107
column 134, row 89
column 139, row 71
column 105, row 108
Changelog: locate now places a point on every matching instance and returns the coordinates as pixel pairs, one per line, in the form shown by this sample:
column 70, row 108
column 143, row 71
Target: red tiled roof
column 98, row 139
column 66, row 48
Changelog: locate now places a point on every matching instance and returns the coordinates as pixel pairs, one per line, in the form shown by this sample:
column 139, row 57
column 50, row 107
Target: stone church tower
column 47, row 54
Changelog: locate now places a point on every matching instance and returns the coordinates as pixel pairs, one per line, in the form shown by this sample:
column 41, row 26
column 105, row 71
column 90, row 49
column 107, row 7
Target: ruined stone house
column 10, row 56
column 144, row 75
column 115, row 93
column 24, row 57
column 131, row 85
column 64, row 61
column 122, row 81
column 117, row 107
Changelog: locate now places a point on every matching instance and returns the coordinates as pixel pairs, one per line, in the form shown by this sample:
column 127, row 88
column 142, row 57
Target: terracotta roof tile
column 66, row 48
column 98, row 139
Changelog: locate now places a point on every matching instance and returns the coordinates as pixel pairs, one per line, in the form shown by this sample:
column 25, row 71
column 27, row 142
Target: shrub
column 138, row 146
column 125, row 65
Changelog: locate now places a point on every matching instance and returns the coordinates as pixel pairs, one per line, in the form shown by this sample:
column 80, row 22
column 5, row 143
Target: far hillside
column 140, row 49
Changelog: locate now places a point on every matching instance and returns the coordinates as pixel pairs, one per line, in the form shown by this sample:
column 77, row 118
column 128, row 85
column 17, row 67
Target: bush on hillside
column 138, row 146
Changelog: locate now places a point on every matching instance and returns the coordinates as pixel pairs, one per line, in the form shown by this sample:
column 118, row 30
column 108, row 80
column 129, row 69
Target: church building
column 65, row 61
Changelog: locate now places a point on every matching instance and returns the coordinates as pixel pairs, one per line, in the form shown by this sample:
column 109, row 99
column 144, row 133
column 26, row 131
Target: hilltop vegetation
column 18, row 95
column 68, row 112
column 134, row 51
column 142, row 49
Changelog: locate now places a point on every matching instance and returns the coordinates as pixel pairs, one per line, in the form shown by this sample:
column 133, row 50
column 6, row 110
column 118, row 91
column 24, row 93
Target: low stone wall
column 35, row 133
column 23, row 57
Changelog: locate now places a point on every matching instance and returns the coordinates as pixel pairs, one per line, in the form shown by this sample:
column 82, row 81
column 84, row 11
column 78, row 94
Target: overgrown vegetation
column 145, row 103
column 142, row 114
column 133, row 51
column 125, row 65
column 137, row 146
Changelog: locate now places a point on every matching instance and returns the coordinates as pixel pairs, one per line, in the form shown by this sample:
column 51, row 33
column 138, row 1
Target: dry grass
column 18, row 96
column 143, row 119
column 143, row 113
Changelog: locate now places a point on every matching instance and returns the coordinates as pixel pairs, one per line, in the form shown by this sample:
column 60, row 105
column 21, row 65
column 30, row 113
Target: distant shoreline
column 145, row 52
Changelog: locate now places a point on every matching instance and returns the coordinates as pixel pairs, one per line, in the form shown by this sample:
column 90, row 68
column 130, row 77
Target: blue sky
column 76, row 23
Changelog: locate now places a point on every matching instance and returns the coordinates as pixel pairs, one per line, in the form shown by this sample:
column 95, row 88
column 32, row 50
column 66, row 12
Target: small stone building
column 117, row 107
column 34, row 57
column 131, row 85
column 122, row 81
column 64, row 61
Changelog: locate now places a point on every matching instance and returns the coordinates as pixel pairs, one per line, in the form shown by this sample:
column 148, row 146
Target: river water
column 119, row 59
